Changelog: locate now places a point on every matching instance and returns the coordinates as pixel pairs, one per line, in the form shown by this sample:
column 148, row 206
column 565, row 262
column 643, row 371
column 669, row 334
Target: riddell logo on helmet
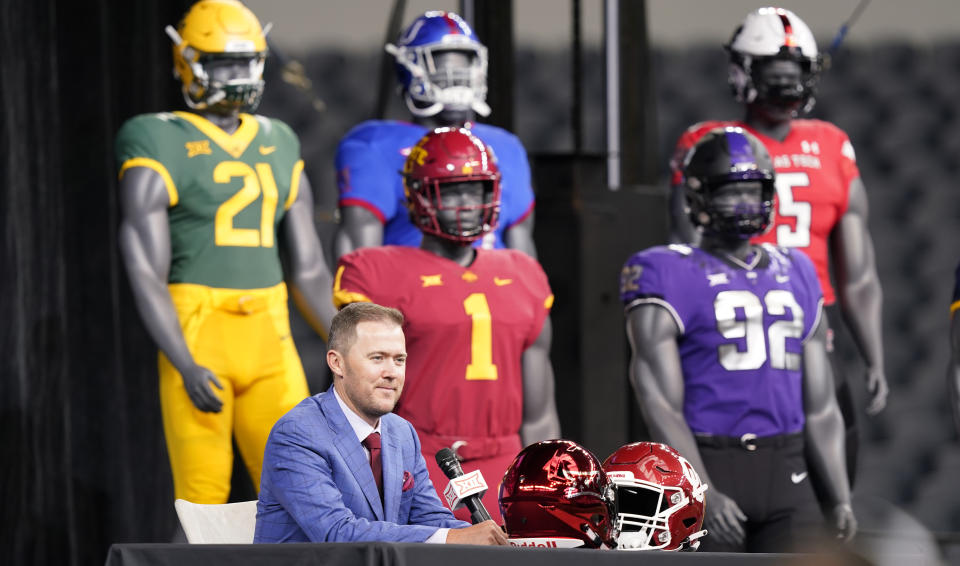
column 546, row 542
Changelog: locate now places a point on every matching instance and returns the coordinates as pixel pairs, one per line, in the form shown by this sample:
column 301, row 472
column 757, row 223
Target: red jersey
column 466, row 331
column 815, row 165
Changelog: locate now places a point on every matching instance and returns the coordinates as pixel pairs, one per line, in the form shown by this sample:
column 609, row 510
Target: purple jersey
column 741, row 332
column 369, row 160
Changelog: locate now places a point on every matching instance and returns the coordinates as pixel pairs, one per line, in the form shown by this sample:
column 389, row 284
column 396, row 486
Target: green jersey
column 228, row 192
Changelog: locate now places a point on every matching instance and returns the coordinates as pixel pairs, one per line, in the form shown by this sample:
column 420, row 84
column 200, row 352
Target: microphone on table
column 463, row 489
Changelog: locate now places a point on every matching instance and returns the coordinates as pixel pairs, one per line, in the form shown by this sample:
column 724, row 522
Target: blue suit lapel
column 391, row 455
column 351, row 451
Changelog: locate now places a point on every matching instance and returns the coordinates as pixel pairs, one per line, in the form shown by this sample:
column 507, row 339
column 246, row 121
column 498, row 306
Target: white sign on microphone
column 464, row 486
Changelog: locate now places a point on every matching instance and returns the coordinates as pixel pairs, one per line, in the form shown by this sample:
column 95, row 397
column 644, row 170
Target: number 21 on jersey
column 255, row 183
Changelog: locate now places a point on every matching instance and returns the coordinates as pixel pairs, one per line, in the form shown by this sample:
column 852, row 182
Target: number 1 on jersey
column 481, row 366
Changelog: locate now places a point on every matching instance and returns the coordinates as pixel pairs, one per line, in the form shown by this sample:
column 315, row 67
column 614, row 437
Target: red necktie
column 372, row 443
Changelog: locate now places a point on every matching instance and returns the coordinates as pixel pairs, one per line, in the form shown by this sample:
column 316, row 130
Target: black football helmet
column 723, row 156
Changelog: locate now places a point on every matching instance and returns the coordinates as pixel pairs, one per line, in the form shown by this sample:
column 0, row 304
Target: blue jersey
column 371, row 156
column 741, row 332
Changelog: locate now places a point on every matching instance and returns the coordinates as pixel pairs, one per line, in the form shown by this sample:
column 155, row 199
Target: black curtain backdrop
column 83, row 464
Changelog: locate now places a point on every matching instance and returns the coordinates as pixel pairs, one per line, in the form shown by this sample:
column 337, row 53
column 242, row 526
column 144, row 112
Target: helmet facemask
column 750, row 80
column 219, row 82
column 436, row 84
column 740, row 221
column 644, row 512
column 460, row 223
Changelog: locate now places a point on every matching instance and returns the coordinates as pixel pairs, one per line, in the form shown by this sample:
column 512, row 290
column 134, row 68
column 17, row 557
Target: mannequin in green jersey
column 207, row 198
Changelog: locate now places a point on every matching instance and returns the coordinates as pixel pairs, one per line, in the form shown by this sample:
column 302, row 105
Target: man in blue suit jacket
column 317, row 484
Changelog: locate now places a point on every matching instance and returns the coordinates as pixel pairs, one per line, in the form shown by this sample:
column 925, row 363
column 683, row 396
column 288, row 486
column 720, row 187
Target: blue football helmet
column 428, row 88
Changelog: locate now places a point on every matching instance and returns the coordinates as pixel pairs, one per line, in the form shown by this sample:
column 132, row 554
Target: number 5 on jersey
column 255, row 183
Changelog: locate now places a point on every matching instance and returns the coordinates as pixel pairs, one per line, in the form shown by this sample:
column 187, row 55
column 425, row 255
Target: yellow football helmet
column 219, row 50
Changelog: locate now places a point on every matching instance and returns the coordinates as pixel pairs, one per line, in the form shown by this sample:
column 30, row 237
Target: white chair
column 227, row 523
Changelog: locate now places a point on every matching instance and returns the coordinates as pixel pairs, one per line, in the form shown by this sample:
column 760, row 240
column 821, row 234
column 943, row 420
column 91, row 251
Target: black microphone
column 447, row 460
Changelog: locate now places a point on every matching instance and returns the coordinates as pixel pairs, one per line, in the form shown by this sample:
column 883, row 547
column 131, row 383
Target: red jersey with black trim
column 815, row 165
column 466, row 331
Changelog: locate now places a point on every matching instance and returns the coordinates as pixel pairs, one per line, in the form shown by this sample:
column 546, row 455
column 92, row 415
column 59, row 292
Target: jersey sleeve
column 811, row 299
column 515, row 185
column 354, row 280
column 644, row 281
column 365, row 176
column 140, row 143
column 135, row 140
column 536, row 282
column 847, row 162
column 288, row 150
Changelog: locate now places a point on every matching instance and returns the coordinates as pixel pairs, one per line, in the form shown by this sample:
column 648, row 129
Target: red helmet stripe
column 452, row 24
column 788, row 39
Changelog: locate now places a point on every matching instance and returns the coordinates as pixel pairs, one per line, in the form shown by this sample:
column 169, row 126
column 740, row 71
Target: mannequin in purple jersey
column 732, row 200
column 440, row 100
column 777, row 84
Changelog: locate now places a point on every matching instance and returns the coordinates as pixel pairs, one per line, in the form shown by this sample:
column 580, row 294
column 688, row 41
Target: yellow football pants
column 243, row 337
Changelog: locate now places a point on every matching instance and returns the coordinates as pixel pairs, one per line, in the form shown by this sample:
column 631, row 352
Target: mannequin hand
column 196, row 380
column 843, row 521
column 724, row 520
column 877, row 389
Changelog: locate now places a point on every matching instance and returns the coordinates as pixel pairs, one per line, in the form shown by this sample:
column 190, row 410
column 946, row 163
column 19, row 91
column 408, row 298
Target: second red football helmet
column 444, row 156
column 556, row 489
column 660, row 498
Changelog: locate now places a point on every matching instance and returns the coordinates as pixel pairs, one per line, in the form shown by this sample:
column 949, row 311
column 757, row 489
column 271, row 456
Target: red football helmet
column 451, row 155
column 557, row 490
column 660, row 499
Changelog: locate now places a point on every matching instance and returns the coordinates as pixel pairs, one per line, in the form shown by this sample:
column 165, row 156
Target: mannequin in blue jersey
column 441, row 69
column 729, row 364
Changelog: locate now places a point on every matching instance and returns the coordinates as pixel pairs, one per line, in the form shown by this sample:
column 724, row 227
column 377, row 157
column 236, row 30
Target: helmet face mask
column 723, row 161
column 660, row 498
column 773, row 36
column 219, row 53
column 452, row 185
column 441, row 66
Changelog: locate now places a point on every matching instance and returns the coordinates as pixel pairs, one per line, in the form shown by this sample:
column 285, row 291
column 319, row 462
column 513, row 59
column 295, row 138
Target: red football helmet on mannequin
column 660, row 498
column 556, row 491
column 444, row 156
